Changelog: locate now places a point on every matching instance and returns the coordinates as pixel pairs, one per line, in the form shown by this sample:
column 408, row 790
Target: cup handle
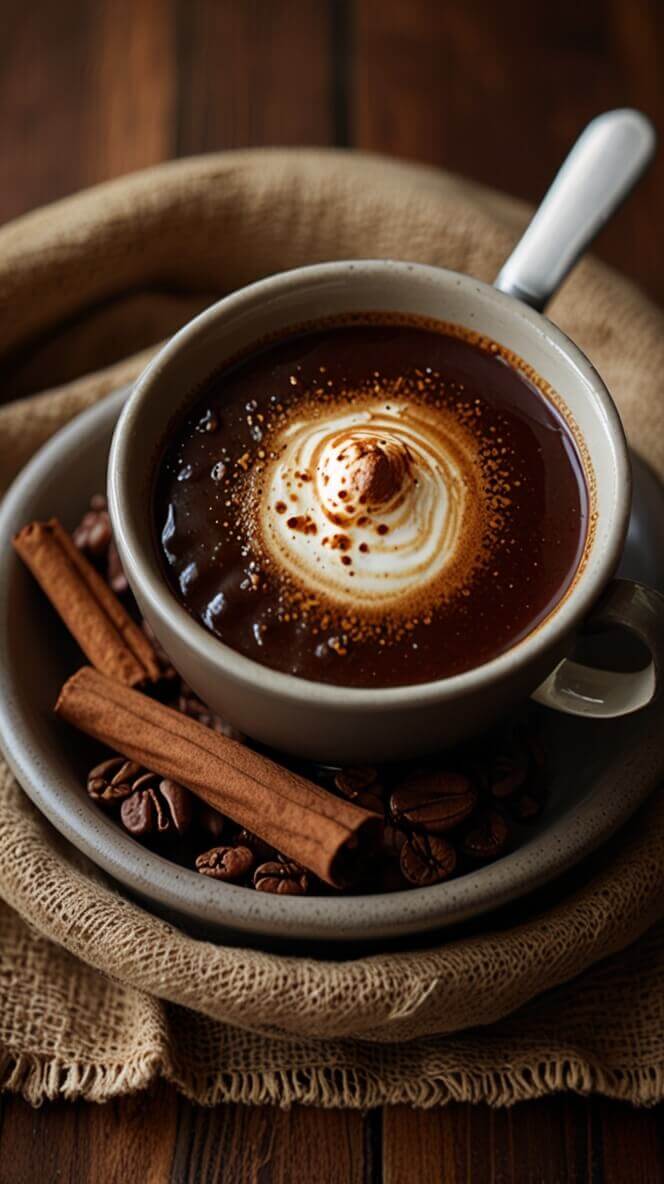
column 605, row 694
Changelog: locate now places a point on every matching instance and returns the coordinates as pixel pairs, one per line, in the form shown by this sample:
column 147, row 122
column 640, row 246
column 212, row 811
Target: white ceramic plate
column 602, row 771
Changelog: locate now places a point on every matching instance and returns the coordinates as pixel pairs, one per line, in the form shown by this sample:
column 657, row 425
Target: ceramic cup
column 342, row 724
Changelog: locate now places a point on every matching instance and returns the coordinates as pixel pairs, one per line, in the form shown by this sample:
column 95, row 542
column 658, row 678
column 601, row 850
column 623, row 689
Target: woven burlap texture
column 97, row 996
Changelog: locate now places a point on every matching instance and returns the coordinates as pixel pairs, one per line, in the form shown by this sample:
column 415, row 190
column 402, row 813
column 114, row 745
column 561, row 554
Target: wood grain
column 133, row 87
column 253, row 73
column 132, row 1139
column 45, row 83
column 499, row 92
column 159, row 1138
column 90, row 89
column 564, row 1140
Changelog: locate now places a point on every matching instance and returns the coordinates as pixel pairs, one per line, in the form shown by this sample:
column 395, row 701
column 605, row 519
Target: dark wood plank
column 561, row 1140
column 133, row 96
column 163, row 1139
column 256, row 73
column 632, row 1143
column 247, row 1144
column 86, row 93
column 498, row 92
column 45, row 78
column 132, row 1139
column 158, row 1138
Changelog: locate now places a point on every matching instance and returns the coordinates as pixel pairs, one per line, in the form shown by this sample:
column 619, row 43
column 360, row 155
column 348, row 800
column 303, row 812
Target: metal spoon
column 603, row 166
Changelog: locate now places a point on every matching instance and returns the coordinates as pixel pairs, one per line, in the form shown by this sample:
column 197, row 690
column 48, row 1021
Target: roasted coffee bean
column 426, row 859
column 526, row 807
column 391, row 839
column 262, row 850
column 94, row 537
column 226, row 863
column 93, row 533
column 367, row 800
column 283, row 877
column 189, row 704
column 508, row 771
column 113, row 780
column 489, row 838
column 352, row 781
column 433, row 802
column 158, row 806
column 210, row 820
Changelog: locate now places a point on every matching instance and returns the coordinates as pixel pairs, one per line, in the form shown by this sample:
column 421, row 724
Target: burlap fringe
column 40, row 1079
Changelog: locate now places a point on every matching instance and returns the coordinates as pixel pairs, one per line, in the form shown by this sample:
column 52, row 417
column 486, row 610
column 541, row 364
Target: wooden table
column 93, row 88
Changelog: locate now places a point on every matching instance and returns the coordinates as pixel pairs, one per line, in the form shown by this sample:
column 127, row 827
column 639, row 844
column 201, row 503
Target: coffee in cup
column 373, row 501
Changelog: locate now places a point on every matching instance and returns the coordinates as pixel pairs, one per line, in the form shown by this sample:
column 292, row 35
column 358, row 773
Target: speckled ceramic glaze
column 358, row 725
column 600, row 775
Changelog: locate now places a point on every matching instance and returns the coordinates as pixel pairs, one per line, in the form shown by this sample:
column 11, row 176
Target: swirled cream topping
column 378, row 506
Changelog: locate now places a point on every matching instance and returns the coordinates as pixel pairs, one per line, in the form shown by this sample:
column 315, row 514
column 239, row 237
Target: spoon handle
column 603, row 166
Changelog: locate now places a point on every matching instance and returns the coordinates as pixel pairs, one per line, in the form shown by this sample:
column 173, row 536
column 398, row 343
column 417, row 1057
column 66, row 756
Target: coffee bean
column 283, row 877
column 508, row 771
column 113, row 780
column 367, row 800
column 262, row 850
column 433, row 802
column 391, row 840
column 210, row 820
column 189, row 704
column 157, row 806
column 489, row 838
column 94, row 537
column 226, row 863
column 93, row 533
column 526, row 807
column 426, row 859
column 352, row 781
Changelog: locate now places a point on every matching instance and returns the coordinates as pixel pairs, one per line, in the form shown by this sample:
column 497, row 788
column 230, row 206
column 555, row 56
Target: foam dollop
column 378, row 507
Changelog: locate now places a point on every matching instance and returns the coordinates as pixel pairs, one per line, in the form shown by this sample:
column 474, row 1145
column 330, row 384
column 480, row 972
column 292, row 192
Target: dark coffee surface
column 215, row 463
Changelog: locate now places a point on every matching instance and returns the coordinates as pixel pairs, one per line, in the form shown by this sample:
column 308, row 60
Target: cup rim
column 154, row 589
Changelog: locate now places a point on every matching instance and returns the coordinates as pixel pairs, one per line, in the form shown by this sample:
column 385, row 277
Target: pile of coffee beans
column 441, row 817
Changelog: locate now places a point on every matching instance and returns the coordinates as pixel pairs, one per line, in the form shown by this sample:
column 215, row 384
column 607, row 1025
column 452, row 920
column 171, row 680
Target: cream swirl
column 377, row 506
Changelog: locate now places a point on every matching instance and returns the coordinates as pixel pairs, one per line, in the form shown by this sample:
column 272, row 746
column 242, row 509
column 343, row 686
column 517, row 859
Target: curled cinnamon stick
column 89, row 608
column 324, row 833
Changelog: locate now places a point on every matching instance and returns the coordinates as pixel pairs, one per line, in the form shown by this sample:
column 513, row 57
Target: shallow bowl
column 599, row 775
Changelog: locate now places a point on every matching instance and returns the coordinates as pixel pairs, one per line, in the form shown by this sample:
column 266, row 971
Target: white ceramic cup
column 343, row 724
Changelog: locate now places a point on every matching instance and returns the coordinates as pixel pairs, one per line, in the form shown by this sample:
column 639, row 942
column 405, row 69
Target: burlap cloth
column 97, row 997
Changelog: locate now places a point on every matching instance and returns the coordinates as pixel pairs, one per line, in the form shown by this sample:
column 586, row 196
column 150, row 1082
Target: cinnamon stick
column 109, row 638
column 322, row 832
